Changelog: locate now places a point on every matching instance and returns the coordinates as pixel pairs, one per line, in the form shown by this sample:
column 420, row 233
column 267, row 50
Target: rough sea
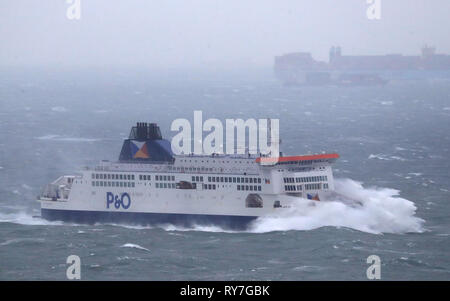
column 394, row 144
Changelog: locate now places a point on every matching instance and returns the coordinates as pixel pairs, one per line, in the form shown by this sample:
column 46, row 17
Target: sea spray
column 381, row 211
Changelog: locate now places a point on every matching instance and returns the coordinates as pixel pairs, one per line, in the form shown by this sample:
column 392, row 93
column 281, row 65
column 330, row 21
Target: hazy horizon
column 212, row 34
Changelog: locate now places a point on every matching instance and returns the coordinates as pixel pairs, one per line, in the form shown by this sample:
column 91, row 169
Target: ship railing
column 59, row 189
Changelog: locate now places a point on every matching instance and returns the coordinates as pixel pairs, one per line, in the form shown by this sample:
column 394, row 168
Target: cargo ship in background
column 300, row 68
column 151, row 185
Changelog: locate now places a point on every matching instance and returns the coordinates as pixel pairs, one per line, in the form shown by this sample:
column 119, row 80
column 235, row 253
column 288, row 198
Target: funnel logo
column 139, row 150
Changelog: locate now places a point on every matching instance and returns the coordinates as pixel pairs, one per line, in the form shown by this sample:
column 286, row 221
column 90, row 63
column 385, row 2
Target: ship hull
column 231, row 222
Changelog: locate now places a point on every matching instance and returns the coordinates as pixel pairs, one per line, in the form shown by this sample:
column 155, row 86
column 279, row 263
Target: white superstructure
column 151, row 185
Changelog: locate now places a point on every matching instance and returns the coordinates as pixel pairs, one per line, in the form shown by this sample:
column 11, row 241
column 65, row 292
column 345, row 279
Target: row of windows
column 300, row 162
column 165, row 185
column 164, row 178
column 306, row 179
column 145, row 177
column 193, row 169
column 234, row 180
column 197, row 179
column 293, row 187
column 112, row 184
column 209, row 186
column 109, row 176
column 312, row 186
column 249, row 187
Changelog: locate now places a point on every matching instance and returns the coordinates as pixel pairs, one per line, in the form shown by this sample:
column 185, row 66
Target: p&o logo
column 123, row 200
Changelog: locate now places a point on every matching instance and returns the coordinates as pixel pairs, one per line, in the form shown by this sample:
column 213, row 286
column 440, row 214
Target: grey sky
column 205, row 33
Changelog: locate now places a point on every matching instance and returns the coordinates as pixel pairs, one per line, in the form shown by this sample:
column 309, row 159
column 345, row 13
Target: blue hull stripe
column 139, row 218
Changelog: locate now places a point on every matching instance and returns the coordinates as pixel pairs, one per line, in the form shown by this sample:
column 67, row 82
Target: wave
column 66, row 139
column 385, row 157
column 60, row 109
column 382, row 211
column 23, row 218
column 135, row 246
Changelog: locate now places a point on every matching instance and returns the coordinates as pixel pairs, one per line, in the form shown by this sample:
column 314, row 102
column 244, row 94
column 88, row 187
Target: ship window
column 214, row 186
column 251, row 187
column 259, row 188
column 209, row 179
column 238, row 187
column 238, row 180
column 129, row 177
column 246, row 180
column 242, row 180
column 197, row 179
column 234, row 179
column 165, row 185
column 173, row 178
column 132, row 177
column 201, row 179
column 132, row 184
column 259, row 180
column 226, row 179
column 221, row 179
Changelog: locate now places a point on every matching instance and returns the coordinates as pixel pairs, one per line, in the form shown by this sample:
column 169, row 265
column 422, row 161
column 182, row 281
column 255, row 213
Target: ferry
column 150, row 185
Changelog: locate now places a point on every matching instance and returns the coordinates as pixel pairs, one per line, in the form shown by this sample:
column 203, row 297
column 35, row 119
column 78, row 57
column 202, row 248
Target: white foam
column 385, row 157
column 24, row 218
column 387, row 103
column 130, row 245
column 19, row 240
column 66, row 139
column 27, row 187
column 382, row 211
column 59, row 109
